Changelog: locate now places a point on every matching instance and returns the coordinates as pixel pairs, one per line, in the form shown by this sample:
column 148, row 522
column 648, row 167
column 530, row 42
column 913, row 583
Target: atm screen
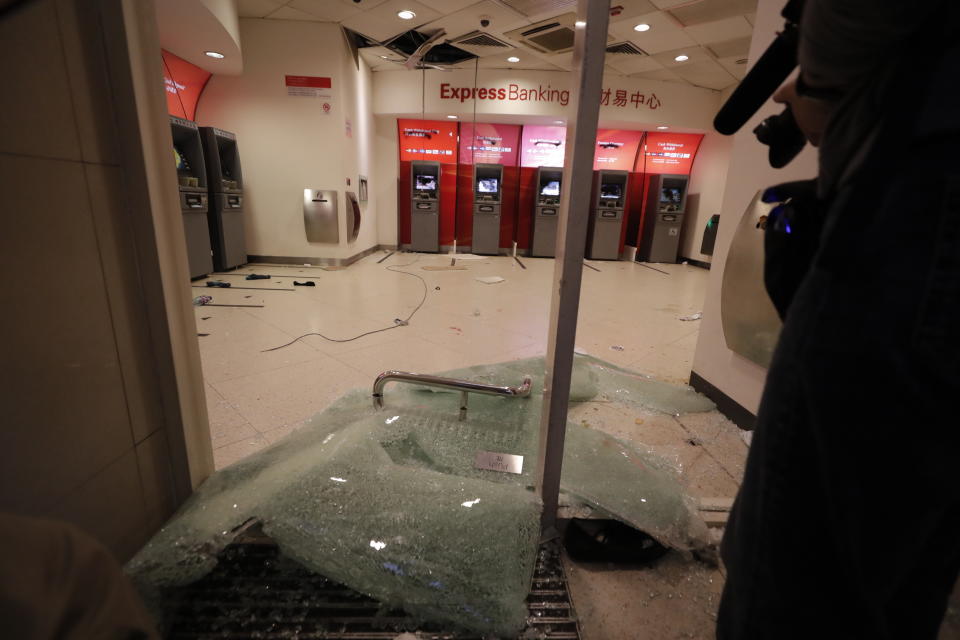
column 487, row 185
column 610, row 191
column 426, row 183
column 670, row 194
column 180, row 159
column 551, row 188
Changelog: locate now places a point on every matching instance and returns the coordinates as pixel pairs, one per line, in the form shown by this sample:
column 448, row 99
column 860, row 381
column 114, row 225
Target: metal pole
column 588, row 54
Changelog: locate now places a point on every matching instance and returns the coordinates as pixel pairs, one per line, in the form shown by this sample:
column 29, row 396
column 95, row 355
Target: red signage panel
column 314, row 82
column 427, row 140
column 616, row 149
column 669, row 153
column 489, row 143
column 542, row 146
column 184, row 82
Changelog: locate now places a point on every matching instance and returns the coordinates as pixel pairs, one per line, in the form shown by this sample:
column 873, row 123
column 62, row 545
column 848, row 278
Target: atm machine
column 606, row 216
column 225, row 217
column 546, row 211
column 487, row 190
column 192, row 178
column 425, row 206
column 663, row 218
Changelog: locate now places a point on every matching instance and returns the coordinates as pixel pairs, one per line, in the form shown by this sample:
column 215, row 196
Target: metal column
column 588, row 55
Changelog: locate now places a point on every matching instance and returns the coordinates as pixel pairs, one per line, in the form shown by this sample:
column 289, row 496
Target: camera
column 781, row 133
column 484, row 22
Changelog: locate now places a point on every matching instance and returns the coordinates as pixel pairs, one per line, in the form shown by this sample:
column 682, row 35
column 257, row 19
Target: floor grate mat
column 257, row 594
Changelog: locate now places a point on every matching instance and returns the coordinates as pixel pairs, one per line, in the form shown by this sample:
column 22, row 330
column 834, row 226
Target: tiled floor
column 629, row 315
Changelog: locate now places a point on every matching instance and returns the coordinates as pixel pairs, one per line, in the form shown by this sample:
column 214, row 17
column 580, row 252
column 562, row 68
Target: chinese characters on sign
column 624, row 98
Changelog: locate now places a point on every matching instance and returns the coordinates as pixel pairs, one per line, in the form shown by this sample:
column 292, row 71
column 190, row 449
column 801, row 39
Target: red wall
column 184, row 82
column 525, row 202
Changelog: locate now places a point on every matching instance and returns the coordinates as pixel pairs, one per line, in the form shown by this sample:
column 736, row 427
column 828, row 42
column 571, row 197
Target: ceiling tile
column 664, row 33
column 257, row 8
column 659, row 74
column 467, row 20
column 633, row 64
column 447, row 6
column 562, row 60
column 363, row 5
column 666, row 4
column 630, row 9
column 324, row 9
column 707, row 73
column 738, row 48
column 711, row 10
column 381, row 23
column 287, row 13
column 720, row 30
column 537, row 10
column 528, row 62
column 694, row 55
column 737, row 70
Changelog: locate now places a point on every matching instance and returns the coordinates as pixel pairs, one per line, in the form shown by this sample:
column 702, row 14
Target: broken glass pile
column 389, row 502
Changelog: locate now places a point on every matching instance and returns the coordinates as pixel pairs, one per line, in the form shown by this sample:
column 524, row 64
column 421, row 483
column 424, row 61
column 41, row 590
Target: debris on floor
column 616, row 347
column 363, row 496
column 308, row 283
column 490, row 279
column 257, row 276
column 218, row 283
column 202, row 300
column 691, row 317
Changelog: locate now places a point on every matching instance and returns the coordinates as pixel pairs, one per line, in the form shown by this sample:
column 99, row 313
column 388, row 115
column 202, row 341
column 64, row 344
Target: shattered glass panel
column 388, row 501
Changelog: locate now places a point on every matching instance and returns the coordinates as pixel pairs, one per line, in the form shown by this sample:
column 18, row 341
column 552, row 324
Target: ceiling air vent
column 479, row 39
column 626, row 48
column 549, row 36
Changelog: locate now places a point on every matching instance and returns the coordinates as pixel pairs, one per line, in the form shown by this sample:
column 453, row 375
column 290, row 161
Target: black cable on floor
column 397, row 322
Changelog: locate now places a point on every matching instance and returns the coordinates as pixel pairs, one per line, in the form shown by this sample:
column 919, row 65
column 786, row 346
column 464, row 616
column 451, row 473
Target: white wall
column 708, row 180
column 387, row 167
column 289, row 143
column 748, row 171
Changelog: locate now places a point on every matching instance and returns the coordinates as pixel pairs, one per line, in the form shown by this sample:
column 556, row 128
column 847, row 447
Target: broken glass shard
column 389, row 502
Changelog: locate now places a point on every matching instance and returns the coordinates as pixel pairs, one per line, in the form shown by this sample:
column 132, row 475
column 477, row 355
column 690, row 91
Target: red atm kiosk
column 663, row 155
column 431, row 142
column 482, row 147
column 614, row 156
column 540, row 146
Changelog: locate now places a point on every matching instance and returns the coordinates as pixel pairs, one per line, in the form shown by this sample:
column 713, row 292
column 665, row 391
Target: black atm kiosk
column 487, row 189
column 192, row 178
column 546, row 210
column 663, row 218
column 425, row 206
column 606, row 217
column 226, row 198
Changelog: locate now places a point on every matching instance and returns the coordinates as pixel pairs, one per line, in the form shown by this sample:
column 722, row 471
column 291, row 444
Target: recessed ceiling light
column 558, row 122
column 580, row 23
column 513, row 59
column 643, row 26
column 682, row 58
column 452, row 117
column 406, row 14
column 662, row 127
column 214, row 54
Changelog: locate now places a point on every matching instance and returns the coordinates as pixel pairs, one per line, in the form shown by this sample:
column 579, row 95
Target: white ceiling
column 714, row 34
